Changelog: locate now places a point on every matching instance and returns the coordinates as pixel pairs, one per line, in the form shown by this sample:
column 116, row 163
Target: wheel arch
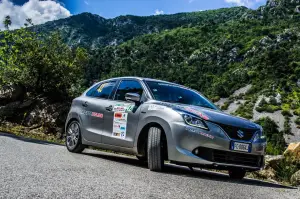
column 72, row 117
column 142, row 137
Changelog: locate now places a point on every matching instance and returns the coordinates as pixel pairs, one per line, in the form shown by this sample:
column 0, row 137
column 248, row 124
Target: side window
column 104, row 90
column 91, row 91
column 128, row 86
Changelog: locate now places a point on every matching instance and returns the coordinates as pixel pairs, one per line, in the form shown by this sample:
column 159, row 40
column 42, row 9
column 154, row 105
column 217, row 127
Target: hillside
column 261, row 49
column 92, row 30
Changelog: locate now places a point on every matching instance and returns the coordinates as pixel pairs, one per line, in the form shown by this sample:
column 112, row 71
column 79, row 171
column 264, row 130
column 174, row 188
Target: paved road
column 36, row 169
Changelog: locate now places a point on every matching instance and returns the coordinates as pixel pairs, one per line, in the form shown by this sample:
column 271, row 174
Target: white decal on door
column 120, row 125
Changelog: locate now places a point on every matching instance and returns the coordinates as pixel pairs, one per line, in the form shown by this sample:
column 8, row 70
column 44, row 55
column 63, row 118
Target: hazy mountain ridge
column 91, row 30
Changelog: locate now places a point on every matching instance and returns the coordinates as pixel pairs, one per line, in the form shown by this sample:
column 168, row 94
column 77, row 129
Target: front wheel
column 73, row 138
column 155, row 149
column 237, row 174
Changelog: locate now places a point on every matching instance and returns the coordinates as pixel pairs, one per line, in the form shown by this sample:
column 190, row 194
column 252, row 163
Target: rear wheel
column 73, row 138
column 237, row 174
column 155, row 149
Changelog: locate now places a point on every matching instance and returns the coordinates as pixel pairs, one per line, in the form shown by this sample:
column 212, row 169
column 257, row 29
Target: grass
column 25, row 132
column 37, row 134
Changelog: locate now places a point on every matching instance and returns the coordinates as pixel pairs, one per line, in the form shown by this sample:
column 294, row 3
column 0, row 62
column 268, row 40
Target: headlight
column 260, row 134
column 194, row 121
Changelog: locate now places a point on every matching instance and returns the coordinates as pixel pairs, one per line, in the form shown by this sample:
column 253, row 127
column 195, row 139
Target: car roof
column 143, row 78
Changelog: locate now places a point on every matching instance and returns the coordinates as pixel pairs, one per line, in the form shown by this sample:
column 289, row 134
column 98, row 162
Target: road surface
column 36, row 169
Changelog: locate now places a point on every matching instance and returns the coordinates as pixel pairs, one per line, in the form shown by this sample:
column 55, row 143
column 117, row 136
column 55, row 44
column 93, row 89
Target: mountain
column 259, row 49
column 91, row 30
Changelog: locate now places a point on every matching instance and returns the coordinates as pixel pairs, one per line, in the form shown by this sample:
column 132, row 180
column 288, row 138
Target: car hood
column 214, row 116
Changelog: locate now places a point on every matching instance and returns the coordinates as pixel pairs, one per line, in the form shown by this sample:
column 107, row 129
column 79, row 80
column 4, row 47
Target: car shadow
column 171, row 169
column 25, row 139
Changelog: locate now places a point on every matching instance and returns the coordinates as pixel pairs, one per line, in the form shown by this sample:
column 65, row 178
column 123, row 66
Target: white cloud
column 86, row 2
column 38, row 11
column 158, row 12
column 191, row 1
column 247, row 3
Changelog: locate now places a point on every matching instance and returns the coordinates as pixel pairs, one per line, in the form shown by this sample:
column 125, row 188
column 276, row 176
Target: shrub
column 297, row 121
column 273, row 101
column 286, row 168
column 245, row 110
column 276, row 142
column 43, row 64
column 286, row 113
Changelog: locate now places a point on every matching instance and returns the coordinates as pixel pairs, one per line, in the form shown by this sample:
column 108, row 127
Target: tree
column 41, row 63
column 29, row 21
column 7, row 22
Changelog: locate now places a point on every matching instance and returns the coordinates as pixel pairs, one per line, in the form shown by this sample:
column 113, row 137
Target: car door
column 120, row 122
column 94, row 103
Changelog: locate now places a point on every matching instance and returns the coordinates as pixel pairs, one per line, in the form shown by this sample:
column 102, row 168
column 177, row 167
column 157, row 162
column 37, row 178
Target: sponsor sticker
column 93, row 114
column 120, row 125
column 123, row 107
column 199, row 132
column 101, row 87
column 200, row 114
column 154, row 107
column 99, row 115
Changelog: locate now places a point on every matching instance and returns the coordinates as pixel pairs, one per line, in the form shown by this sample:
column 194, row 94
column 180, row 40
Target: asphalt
column 36, row 169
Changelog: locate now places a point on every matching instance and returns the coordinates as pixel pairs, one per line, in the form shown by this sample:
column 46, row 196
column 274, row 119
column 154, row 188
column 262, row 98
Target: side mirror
column 132, row 97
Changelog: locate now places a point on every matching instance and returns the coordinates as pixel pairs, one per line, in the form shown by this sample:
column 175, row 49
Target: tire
column 141, row 158
column 237, row 174
column 155, row 149
column 73, row 138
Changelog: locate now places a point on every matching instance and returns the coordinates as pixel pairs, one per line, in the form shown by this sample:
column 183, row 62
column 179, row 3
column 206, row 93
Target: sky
column 47, row 10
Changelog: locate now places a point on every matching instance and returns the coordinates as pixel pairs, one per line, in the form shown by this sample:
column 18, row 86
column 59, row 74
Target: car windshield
column 172, row 93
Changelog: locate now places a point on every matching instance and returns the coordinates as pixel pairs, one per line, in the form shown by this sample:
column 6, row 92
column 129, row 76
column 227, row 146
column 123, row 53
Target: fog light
column 196, row 151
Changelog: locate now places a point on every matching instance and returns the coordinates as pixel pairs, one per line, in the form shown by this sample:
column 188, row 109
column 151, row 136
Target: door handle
column 85, row 104
column 109, row 108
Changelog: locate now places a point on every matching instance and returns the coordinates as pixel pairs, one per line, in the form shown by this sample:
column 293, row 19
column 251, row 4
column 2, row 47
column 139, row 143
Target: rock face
column 295, row 179
column 293, row 150
column 273, row 160
column 11, row 93
column 19, row 108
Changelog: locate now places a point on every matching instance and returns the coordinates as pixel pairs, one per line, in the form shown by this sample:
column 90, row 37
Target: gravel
column 36, row 169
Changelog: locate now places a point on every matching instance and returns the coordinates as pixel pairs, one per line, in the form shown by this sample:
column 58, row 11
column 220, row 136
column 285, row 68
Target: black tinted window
column 128, row 86
column 92, row 90
column 171, row 93
column 104, row 90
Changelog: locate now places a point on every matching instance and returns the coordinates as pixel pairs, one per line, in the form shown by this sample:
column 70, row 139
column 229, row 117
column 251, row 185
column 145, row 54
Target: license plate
column 237, row 146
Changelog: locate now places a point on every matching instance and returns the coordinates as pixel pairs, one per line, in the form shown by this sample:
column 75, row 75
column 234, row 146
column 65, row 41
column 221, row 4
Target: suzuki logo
column 240, row 133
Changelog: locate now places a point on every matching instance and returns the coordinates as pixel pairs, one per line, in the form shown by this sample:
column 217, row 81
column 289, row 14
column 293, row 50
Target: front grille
column 228, row 157
column 236, row 158
column 232, row 132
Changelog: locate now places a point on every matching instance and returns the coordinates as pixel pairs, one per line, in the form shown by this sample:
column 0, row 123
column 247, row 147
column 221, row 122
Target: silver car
column 157, row 121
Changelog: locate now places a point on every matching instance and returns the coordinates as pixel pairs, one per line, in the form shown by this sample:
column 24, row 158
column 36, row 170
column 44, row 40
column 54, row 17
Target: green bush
column 286, row 113
column 276, row 142
column 41, row 63
column 297, row 121
column 245, row 110
column 286, row 168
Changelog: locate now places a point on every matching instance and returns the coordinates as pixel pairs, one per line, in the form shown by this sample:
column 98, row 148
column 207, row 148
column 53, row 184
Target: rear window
column 103, row 90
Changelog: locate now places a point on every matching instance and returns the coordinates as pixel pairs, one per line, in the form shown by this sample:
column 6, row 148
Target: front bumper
column 197, row 147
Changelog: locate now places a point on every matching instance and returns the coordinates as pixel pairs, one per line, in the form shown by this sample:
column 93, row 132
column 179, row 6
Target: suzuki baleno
column 157, row 121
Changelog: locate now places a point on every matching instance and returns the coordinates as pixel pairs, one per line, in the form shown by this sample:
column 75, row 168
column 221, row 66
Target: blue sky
column 113, row 8
column 41, row 11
